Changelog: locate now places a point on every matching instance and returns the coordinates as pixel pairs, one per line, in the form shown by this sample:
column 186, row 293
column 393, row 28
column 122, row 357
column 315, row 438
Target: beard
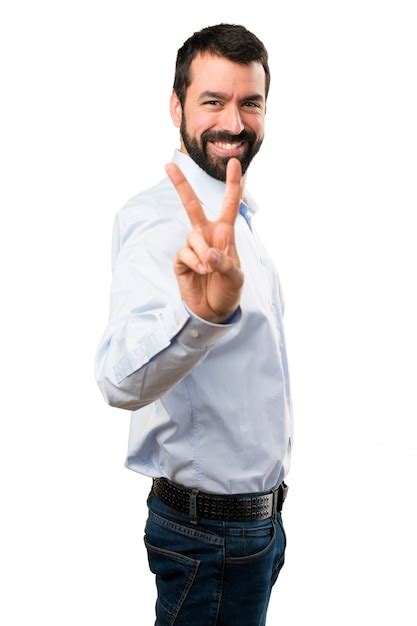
column 215, row 165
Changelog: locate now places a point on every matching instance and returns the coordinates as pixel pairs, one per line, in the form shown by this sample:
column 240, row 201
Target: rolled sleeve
column 152, row 339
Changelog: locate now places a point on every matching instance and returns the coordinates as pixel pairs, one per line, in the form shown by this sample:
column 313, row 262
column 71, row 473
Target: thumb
column 214, row 257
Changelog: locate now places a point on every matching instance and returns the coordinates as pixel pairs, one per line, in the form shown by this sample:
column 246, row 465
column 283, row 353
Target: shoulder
column 153, row 217
column 159, row 204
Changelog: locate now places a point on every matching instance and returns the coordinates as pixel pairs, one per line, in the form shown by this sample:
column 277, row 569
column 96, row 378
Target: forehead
column 209, row 72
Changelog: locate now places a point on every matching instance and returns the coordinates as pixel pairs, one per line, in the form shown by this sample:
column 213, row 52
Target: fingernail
column 214, row 256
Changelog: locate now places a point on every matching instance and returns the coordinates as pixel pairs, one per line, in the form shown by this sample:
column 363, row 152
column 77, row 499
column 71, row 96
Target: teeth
column 227, row 146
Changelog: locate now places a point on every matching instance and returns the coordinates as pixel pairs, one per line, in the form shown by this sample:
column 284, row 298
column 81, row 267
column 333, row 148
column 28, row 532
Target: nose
column 231, row 121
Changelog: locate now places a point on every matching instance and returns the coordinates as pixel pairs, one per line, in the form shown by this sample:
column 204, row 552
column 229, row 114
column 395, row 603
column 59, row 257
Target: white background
column 85, row 125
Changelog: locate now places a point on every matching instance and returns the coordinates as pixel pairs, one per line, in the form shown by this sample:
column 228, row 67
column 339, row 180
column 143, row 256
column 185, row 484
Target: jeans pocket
column 277, row 568
column 281, row 544
column 250, row 545
column 175, row 574
column 281, row 524
column 166, row 525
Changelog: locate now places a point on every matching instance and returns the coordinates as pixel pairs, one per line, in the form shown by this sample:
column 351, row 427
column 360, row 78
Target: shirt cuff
column 198, row 333
column 232, row 317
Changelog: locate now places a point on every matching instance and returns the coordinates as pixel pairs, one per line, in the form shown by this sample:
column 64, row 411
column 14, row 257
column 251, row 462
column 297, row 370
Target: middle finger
column 231, row 201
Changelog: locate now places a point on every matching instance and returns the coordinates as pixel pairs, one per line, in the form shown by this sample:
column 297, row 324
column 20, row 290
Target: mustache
column 243, row 136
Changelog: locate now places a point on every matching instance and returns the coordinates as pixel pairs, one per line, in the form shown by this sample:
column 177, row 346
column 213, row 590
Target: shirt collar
column 209, row 190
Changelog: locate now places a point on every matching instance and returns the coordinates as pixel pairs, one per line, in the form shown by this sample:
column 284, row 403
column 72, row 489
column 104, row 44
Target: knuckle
column 191, row 237
column 192, row 204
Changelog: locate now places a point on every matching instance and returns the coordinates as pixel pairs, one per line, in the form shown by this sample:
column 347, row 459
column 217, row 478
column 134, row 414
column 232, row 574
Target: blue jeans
column 214, row 573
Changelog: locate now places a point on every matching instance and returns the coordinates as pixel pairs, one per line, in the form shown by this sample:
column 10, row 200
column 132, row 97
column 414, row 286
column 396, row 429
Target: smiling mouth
column 224, row 148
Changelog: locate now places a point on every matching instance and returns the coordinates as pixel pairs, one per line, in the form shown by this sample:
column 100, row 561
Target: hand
column 211, row 289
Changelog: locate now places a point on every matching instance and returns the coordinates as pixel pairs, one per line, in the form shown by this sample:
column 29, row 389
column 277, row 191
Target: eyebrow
column 222, row 96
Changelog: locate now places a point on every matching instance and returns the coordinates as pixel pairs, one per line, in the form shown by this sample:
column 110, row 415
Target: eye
column 212, row 102
column 254, row 103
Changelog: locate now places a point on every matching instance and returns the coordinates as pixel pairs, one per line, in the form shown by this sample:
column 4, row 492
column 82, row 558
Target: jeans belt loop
column 275, row 492
column 193, row 506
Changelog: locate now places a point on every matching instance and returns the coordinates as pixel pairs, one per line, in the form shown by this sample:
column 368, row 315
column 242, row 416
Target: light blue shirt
column 210, row 403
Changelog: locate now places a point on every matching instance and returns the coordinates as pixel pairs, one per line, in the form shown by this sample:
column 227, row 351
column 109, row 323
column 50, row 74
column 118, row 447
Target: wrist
column 215, row 319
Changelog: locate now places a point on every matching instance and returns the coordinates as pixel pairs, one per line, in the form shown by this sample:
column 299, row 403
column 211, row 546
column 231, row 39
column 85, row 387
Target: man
column 195, row 348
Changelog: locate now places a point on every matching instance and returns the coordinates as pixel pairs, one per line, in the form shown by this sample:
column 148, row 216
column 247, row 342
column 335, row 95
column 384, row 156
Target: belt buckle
column 279, row 495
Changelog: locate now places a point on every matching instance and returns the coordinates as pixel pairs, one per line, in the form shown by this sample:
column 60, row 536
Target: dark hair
column 232, row 41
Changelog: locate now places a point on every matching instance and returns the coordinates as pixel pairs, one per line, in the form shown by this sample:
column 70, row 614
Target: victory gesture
column 210, row 286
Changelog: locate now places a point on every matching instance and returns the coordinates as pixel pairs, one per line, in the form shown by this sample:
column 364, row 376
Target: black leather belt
column 228, row 507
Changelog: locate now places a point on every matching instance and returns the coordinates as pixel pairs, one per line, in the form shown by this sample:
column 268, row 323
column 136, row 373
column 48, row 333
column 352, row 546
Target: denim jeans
column 213, row 573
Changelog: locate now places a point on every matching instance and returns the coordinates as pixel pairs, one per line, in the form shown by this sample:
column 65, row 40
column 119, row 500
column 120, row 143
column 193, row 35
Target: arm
column 153, row 339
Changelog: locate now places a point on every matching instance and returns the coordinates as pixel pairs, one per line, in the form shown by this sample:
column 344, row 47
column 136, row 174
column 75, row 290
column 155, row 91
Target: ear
column 175, row 109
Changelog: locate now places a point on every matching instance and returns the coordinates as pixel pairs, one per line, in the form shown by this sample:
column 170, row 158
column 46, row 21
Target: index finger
column 186, row 193
column 231, row 201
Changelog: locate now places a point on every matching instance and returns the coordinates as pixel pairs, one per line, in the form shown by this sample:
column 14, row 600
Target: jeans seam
column 283, row 532
column 176, row 556
column 221, row 582
column 186, row 590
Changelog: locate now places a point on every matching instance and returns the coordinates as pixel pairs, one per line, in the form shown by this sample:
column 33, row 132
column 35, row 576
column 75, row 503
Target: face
column 223, row 113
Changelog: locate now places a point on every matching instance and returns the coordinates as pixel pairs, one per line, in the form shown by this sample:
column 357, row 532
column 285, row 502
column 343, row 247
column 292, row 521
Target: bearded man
column 195, row 348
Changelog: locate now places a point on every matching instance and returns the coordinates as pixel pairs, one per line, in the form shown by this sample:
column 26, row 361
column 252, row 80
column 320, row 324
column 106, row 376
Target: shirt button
column 194, row 333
